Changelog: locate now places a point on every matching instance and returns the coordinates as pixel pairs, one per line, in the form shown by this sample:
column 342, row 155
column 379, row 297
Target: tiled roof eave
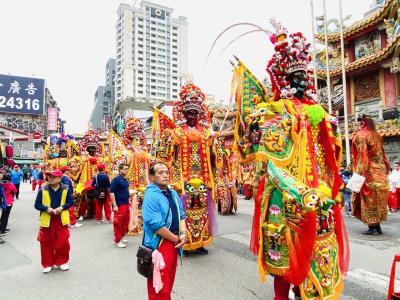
column 365, row 61
column 359, row 26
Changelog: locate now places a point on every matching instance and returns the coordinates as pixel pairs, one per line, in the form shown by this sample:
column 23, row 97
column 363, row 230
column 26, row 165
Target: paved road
column 229, row 271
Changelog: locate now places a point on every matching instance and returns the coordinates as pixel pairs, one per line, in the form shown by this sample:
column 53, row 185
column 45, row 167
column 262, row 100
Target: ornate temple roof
column 366, row 61
column 361, row 25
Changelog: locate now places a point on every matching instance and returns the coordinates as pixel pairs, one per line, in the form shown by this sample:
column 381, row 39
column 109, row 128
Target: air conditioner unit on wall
column 390, row 113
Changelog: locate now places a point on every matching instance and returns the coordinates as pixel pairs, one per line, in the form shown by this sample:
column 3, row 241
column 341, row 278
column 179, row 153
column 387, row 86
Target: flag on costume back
column 249, row 91
column 118, row 153
column 160, row 123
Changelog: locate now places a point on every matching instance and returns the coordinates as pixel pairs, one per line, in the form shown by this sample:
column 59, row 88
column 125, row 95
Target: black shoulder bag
column 144, row 257
column 101, row 193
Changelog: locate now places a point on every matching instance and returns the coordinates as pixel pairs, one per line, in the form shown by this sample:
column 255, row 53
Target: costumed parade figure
column 134, row 139
column 59, row 150
column 370, row 161
column 298, row 230
column 91, row 155
column 226, row 162
column 186, row 149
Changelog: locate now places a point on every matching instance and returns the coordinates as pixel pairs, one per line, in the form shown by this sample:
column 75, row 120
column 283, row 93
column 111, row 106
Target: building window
column 140, row 72
column 175, row 47
column 175, row 34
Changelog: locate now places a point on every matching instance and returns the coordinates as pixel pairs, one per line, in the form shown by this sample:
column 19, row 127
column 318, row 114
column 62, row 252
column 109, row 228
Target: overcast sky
column 68, row 42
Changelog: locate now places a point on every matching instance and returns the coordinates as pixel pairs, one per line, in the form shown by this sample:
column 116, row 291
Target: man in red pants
column 119, row 194
column 101, row 183
column 164, row 229
column 53, row 202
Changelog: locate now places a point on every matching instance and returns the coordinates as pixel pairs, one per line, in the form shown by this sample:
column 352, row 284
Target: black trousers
column 17, row 186
column 5, row 213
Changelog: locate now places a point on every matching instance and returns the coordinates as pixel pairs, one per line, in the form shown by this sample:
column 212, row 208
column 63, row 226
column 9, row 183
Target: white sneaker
column 120, row 245
column 64, row 267
column 80, row 219
column 125, row 241
column 77, row 225
column 107, row 222
column 47, row 270
column 71, row 226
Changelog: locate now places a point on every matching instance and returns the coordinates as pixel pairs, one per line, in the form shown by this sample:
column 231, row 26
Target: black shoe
column 378, row 229
column 7, row 230
column 186, row 253
column 370, row 231
column 202, row 250
column 2, row 241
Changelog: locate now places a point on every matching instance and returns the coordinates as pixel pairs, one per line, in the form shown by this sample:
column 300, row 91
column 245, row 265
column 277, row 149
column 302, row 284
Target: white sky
column 68, row 42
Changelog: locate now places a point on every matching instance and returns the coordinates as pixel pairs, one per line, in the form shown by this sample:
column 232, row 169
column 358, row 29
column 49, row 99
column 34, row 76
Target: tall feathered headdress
column 291, row 55
column 133, row 128
column 191, row 97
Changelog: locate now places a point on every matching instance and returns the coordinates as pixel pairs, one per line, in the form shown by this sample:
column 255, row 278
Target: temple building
column 372, row 69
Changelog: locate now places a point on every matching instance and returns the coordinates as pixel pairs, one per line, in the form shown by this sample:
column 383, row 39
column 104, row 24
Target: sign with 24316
column 22, row 95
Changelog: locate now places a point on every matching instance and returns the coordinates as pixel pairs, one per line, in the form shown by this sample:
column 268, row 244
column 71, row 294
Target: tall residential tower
column 151, row 57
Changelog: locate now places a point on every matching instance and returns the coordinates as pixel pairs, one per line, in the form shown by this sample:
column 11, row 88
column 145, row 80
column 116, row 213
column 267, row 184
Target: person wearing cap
column 101, row 183
column 16, row 175
column 53, row 202
column 68, row 182
column 370, row 161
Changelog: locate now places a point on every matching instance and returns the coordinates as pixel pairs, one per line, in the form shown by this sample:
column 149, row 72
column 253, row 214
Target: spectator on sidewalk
column 101, row 183
column 69, row 183
column 119, row 194
column 346, row 175
column 396, row 179
column 16, row 176
column 35, row 177
column 25, row 170
column 9, row 191
column 392, row 197
column 164, row 227
column 53, row 202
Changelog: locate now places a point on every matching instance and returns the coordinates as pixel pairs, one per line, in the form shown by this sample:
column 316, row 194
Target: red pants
column 282, row 288
column 398, row 197
column 121, row 222
column 72, row 217
column 247, row 191
column 38, row 183
column 170, row 256
column 106, row 204
column 392, row 200
column 54, row 244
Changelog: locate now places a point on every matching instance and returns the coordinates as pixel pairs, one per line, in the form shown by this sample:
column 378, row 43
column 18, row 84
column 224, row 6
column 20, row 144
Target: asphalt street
column 229, row 271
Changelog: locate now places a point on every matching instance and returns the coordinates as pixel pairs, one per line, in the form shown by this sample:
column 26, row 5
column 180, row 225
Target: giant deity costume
column 298, row 231
column 226, row 160
column 91, row 154
column 60, row 148
column 370, row 161
column 135, row 141
column 186, row 148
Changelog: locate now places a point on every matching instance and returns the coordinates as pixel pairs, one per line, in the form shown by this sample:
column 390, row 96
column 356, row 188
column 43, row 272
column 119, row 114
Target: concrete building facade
column 151, row 54
column 101, row 116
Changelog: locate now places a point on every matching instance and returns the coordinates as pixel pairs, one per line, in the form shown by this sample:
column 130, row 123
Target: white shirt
column 396, row 178
column 392, row 183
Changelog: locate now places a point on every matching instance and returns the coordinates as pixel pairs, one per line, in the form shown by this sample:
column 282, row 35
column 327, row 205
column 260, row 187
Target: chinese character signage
column 22, row 95
column 52, row 118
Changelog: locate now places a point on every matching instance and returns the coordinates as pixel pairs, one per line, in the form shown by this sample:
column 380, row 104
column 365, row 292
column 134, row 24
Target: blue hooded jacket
column 155, row 209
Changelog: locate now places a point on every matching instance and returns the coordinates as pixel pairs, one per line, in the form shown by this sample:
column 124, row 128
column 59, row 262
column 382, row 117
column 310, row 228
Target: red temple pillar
column 390, row 89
